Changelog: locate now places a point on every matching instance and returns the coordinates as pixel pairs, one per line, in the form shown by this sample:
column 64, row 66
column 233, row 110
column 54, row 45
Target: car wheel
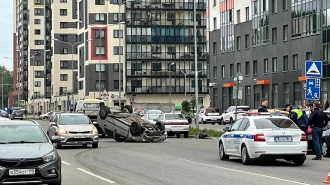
column 135, row 128
column 204, row 122
column 186, row 135
column 222, row 153
column 189, row 120
column 104, row 111
column 298, row 162
column 160, row 125
column 58, row 146
column 231, row 121
column 95, row 145
column 325, row 149
column 129, row 108
column 222, row 122
column 245, row 156
column 178, row 135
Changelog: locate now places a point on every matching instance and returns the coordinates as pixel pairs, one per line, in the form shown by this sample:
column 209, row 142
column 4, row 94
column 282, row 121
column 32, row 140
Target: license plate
column 283, row 139
column 79, row 136
column 177, row 127
column 22, row 172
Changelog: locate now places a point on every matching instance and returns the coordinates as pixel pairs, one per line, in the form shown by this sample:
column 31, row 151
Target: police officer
column 263, row 106
column 299, row 117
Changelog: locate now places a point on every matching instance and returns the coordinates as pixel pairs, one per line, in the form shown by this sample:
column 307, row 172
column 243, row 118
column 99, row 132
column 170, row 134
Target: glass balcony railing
column 164, row 39
column 166, row 5
column 172, row 56
column 164, row 22
column 165, row 89
column 164, row 73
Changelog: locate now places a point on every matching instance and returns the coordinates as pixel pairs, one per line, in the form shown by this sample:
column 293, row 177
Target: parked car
column 263, row 137
column 326, row 141
column 45, row 116
column 175, row 124
column 29, row 156
column 4, row 114
column 74, row 129
column 228, row 115
column 152, row 118
column 17, row 114
column 210, row 115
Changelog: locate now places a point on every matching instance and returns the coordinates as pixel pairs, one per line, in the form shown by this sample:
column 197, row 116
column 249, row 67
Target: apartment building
column 160, row 51
column 268, row 41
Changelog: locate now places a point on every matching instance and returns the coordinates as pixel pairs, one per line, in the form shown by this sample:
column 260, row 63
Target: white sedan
column 264, row 137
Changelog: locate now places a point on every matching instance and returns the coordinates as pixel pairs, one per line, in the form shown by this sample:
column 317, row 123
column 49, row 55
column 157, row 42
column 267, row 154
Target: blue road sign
column 313, row 69
column 313, row 88
column 69, row 103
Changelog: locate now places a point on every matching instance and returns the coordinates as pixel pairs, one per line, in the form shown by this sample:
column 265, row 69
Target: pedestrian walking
column 317, row 120
column 263, row 106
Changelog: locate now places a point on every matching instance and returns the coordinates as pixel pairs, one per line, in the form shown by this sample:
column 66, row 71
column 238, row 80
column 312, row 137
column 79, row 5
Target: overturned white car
column 122, row 125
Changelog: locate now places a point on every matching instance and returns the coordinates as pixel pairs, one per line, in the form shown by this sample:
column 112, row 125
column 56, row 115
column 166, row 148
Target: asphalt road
column 177, row 161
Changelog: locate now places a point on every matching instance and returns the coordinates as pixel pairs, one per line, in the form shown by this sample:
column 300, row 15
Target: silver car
column 175, row 124
column 73, row 129
column 152, row 118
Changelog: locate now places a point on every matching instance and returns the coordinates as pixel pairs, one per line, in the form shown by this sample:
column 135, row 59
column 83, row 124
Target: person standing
column 263, row 106
column 317, row 120
column 299, row 117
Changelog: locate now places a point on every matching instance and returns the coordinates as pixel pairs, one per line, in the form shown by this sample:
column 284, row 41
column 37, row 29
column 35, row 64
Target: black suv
column 30, row 156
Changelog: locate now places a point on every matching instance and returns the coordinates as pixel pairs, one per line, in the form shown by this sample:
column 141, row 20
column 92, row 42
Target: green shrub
column 210, row 132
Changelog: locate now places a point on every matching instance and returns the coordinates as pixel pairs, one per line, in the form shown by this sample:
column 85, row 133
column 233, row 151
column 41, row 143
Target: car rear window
column 212, row 110
column 265, row 123
column 174, row 116
column 243, row 108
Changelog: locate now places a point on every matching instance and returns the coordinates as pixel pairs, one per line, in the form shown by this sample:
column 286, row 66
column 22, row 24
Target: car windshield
column 174, row 116
column 154, row 111
column 22, row 134
column 91, row 105
column 212, row 110
column 265, row 123
column 74, row 120
column 152, row 117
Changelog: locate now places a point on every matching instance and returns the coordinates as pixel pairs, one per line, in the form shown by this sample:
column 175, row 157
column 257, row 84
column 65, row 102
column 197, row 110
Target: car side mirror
column 226, row 129
column 56, row 139
column 225, row 112
column 53, row 123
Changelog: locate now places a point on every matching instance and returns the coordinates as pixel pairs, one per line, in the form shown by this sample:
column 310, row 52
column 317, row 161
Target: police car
column 263, row 136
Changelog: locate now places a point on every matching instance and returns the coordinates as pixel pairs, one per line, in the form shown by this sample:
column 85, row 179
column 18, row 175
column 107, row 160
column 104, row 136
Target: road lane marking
column 99, row 177
column 66, row 163
column 240, row 171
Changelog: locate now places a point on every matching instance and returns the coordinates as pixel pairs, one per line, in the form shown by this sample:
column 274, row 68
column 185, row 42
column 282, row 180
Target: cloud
column 6, row 33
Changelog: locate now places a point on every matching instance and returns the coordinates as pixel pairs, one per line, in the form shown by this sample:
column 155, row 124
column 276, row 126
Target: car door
column 239, row 135
column 230, row 145
column 226, row 114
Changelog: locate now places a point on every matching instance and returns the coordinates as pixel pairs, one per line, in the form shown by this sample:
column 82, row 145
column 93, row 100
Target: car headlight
column 62, row 131
column 95, row 131
column 49, row 157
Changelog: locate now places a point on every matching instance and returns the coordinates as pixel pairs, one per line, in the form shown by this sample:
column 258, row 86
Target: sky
column 6, row 33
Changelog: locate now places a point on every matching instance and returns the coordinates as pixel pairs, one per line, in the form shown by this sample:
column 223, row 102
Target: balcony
column 157, row 4
column 165, row 56
column 164, row 89
column 48, row 82
column 165, row 39
column 25, row 88
column 164, row 73
column 25, row 67
column 25, row 77
column 172, row 22
column 48, row 95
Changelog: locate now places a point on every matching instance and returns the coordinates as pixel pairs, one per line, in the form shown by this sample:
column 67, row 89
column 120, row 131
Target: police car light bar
column 262, row 113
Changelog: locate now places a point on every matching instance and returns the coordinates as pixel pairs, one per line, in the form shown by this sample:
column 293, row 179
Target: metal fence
column 165, row 107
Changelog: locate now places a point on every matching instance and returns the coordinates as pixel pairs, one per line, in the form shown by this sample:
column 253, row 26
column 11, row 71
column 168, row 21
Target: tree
column 193, row 103
column 186, row 106
column 6, row 81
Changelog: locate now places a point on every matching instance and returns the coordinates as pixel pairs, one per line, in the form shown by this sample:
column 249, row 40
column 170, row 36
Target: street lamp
column 196, row 74
column 169, row 74
column 237, row 79
column 101, row 28
column 185, row 79
column 72, row 45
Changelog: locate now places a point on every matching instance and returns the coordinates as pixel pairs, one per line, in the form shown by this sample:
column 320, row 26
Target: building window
column 116, row 67
column 215, row 97
column 37, row 21
column 274, row 6
column 238, row 14
column 63, row 25
column 117, row 33
column 63, row 12
column 238, row 43
column 266, row 66
column 116, row 84
column 63, row 64
column 117, row 17
column 214, row 2
column 247, row 95
column 274, row 35
column 37, row 74
column 324, row 91
column 238, row 67
column 308, row 55
column 285, row 63
column 37, row 84
column 99, row 17
column 260, row 23
column 214, row 23
column 286, row 90
column 247, row 13
column 247, row 41
column 64, row 51
column 99, row 34
column 100, row 67
column 37, row 42
column 37, row 32
column 215, row 72
column 63, row 91
column 285, row 5
column 255, row 67
column 215, row 48
column 99, row 50
column 63, row 77
column 247, row 68
column 37, row 63
column 99, row 84
column 223, row 71
column 36, row 95
column 37, row 2
column 295, row 62
column 285, row 32
column 274, row 64
column 227, row 30
column 275, row 95
column 63, row 1
column 37, row 11
column 231, row 72
column 297, row 93
column 116, row 50
column 99, row 2
column 64, row 38
column 224, row 98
